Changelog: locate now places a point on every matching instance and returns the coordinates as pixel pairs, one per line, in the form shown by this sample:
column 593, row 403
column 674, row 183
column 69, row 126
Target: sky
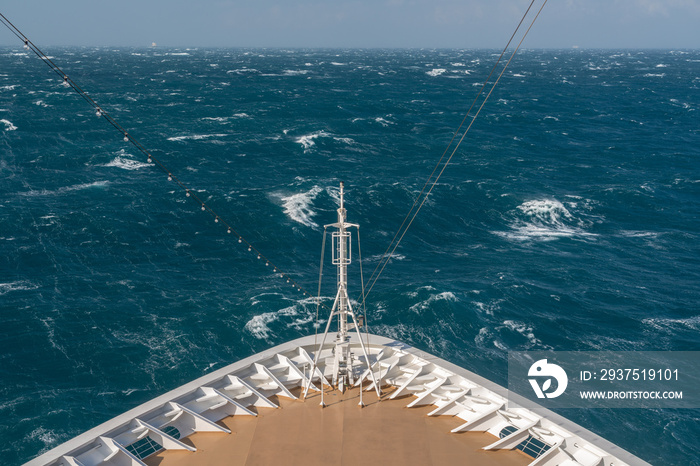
column 615, row 24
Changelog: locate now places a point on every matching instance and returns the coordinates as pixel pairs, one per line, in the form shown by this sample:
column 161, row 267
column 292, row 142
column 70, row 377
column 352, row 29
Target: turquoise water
column 568, row 219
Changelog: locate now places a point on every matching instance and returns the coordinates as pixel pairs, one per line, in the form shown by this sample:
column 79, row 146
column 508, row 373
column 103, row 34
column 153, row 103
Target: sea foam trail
column 66, row 189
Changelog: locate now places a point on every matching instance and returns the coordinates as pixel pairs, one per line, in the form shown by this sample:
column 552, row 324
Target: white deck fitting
column 232, row 390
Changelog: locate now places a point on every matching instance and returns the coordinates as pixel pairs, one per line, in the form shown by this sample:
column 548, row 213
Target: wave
column 21, row 285
column 242, row 71
column 259, row 325
column 295, row 72
column 126, row 164
column 8, row 125
column 307, row 141
column 224, row 119
column 298, row 206
column 522, row 329
column 66, row 189
column 427, row 304
column 639, row 234
column 436, row 72
column 672, row 325
column 46, row 436
column 545, row 219
column 377, row 257
column 196, row 137
column 383, row 121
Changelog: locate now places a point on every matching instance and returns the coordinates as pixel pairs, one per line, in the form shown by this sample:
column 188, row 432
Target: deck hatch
column 146, row 446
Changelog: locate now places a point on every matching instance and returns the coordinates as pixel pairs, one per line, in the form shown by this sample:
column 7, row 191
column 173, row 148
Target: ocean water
column 569, row 219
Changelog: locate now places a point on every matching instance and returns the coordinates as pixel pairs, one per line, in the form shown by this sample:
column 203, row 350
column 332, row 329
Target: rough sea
column 569, row 218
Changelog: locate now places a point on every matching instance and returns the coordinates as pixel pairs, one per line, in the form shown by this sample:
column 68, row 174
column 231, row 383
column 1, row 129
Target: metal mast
column 343, row 358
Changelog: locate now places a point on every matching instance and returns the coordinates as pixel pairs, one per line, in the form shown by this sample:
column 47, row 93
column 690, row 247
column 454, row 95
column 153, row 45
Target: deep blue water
column 568, row 220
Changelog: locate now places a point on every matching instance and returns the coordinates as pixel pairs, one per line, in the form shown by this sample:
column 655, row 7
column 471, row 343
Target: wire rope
column 189, row 192
column 320, row 279
column 423, row 195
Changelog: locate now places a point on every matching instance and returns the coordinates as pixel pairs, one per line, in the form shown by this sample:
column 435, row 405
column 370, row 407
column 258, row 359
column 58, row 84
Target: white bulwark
column 407, row 373
column 486, row 426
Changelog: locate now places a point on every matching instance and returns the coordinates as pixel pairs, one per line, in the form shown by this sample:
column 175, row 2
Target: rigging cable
column 190, row 193
column 320, row 279
column 423, row 195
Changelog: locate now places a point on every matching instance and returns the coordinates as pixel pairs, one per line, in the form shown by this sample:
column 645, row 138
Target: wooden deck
column 302, row 433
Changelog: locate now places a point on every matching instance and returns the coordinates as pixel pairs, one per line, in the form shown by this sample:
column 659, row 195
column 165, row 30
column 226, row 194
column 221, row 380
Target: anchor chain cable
column 189, row 192
column 431, row 182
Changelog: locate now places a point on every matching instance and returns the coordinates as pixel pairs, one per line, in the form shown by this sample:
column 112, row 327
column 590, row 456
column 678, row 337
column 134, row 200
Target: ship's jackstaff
column 343, row 359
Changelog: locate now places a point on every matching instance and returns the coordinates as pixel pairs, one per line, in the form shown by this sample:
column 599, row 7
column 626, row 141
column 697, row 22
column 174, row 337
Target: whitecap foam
column 298, row 206
column 671, row 325
column 259, row 327
column 126, row 164
column 383, row 121
column 394, row 257
column 8, row 125
column 243, row 70
column 550, row 211
column 545, row 219
column 47, row 437
column 66, row 189
column 436, row 72
column 348, row 141
column 196, row 137
column 295, row 72
column 522, row 329
column 307, row 141
column 427, row 304
column 638, row 234
column 16, row 286
column 220, row 120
